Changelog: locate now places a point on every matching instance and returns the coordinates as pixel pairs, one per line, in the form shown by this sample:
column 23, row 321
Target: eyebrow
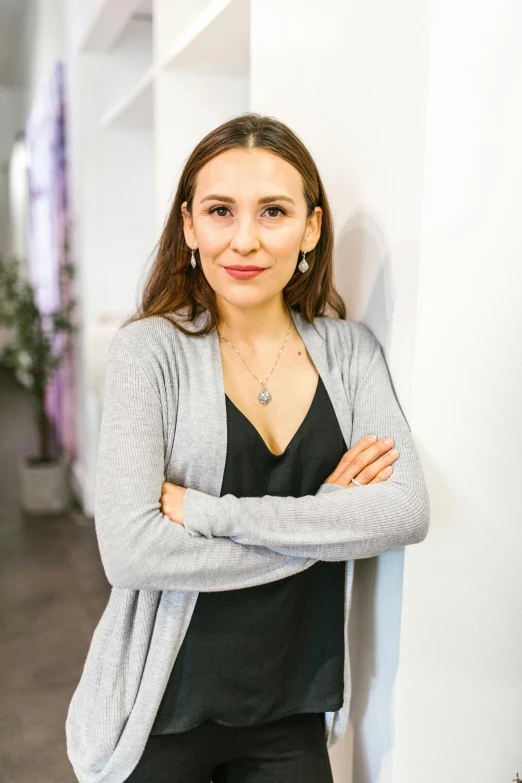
column 264, row 200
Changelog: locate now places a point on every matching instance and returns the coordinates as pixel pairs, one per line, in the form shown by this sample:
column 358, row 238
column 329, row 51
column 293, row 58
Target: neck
column 268, row 321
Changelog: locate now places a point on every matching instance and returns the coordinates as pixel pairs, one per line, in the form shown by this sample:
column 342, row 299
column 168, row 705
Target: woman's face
column 249, row 210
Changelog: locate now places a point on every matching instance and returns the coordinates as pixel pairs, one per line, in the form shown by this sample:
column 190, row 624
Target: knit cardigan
column 164, row 419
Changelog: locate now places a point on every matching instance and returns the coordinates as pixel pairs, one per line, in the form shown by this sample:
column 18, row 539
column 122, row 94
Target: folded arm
column 140, row 547
column 342, row 523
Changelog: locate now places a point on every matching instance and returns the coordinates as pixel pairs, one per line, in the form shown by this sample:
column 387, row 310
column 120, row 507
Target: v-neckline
column 296, row 433
column 198, row 452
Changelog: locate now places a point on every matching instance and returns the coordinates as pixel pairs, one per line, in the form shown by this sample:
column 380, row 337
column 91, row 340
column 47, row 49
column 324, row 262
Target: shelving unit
column 135, row 107
column 127, row 89
column 217, row 39
column 107, row 20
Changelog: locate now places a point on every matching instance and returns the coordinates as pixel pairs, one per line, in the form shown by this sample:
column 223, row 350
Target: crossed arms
column 228, row 542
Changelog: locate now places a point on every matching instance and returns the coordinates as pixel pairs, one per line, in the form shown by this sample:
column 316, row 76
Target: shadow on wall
column 364, row 278
column 379, row 282
column 363, row 275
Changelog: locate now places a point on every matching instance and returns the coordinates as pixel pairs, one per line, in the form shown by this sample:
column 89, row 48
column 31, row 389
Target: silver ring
column 356, row 482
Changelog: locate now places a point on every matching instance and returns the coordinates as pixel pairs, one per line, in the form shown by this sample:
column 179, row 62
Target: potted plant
column 33, row 355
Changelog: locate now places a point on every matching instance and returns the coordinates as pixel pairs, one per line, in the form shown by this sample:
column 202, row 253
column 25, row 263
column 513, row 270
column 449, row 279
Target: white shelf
column 215, row 41
column 109, row 21
column 127, row 87
column 136, row 107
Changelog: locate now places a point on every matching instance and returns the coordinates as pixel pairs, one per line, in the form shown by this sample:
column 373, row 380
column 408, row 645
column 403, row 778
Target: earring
column 193, row 260
column 303, row 264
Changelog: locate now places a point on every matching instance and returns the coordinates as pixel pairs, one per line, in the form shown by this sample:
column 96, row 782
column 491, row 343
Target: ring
column 356, row 482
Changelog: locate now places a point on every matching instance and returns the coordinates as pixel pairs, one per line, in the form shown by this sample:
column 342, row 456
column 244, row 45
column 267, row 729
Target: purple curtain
column 48, row 239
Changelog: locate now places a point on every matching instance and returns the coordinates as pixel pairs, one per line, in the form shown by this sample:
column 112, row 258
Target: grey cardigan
column 164, row 419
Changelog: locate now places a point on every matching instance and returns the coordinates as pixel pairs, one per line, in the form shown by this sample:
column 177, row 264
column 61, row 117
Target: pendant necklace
column 264, row 395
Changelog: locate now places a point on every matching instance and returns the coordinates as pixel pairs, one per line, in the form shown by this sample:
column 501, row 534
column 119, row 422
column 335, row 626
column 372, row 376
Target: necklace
column 264, row 395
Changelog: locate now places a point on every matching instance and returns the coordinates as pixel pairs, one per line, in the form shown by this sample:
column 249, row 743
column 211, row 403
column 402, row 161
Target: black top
column 259, row 653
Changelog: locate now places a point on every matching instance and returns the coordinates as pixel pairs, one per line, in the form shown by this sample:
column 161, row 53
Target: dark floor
column 52, row 593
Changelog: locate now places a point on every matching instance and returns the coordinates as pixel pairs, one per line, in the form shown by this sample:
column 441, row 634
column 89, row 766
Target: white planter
column 45, row 487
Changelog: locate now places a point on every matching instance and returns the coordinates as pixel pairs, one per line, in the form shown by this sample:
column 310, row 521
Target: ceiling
column 16, row 19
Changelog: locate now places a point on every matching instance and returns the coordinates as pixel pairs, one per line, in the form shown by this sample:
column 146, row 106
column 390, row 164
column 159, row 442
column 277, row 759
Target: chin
column 244, row 298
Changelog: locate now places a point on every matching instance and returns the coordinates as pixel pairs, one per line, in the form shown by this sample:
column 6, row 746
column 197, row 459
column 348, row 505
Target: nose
column 244, row 237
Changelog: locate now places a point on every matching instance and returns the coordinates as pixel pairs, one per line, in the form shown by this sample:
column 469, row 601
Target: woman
column 235, row 409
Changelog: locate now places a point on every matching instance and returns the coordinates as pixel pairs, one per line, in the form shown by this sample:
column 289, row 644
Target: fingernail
column 371, row 438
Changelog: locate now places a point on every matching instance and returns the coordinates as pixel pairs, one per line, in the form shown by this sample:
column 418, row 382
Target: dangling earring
column 303, row 264
column 193, row 260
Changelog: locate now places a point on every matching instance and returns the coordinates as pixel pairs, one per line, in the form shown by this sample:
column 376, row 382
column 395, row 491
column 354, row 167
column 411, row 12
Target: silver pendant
column 264, row 396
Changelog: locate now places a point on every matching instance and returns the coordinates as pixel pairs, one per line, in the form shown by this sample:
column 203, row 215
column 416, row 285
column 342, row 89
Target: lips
column 243, row 272
column 250, row 268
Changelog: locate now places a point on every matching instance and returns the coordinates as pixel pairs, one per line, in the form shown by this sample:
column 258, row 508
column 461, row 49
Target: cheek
column 283, row 241
column 284, row 252
column 211, row 235
column 211, row 244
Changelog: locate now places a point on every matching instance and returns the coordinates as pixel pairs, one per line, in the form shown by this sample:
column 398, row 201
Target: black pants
column 291, row 749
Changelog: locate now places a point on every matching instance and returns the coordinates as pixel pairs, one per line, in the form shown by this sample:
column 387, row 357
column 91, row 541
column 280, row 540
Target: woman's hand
column 172, row 501
column 368, row 461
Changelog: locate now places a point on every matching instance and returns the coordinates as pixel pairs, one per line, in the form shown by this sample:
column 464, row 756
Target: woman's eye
column 276, row 208
column 215, row 211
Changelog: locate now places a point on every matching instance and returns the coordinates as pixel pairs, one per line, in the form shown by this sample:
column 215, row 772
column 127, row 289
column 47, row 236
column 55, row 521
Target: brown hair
column 173, row 285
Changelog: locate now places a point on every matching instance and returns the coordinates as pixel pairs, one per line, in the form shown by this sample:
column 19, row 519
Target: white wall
column 350, row 79
column 45, row 45
column 460, row 680
column 12, row 114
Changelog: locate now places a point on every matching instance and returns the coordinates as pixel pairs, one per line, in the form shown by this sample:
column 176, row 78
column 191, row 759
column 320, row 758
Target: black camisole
column 259, row 653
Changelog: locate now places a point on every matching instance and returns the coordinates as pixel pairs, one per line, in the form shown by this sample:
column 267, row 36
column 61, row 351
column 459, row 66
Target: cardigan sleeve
column 140, row 547
column 337, row 523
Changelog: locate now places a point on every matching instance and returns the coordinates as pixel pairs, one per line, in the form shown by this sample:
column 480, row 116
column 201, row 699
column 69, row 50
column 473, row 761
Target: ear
column 313, row 229
column 188, row 228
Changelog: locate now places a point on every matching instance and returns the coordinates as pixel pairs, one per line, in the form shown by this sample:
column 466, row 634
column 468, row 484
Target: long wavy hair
column 172, row 286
